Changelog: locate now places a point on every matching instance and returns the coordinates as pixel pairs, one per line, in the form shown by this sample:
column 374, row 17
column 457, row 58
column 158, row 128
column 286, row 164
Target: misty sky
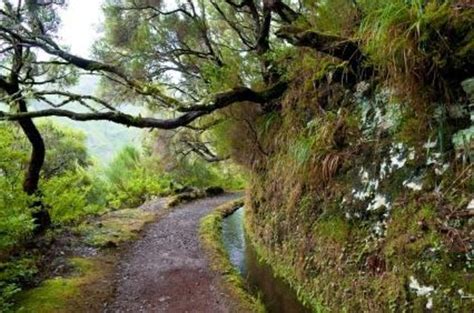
column 81, row 25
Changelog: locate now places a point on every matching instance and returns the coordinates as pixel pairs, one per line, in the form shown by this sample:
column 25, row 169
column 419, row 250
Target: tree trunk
column 40, row 214
column 32, row 177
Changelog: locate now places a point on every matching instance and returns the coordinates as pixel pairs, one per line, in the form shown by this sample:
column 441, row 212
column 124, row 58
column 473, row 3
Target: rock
column 185, row 189
column 110, row 244
column 468, row 86
column 214, row 191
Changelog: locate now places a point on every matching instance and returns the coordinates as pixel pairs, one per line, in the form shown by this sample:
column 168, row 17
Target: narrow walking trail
column 166, row 270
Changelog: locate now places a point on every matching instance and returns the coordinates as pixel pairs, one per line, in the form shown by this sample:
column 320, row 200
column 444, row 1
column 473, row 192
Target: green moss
column 51, row 296
column 334, row 229
column 115, row 227
column 62, row 294
column 185, row 197
column 282, row 269
column 210, row 231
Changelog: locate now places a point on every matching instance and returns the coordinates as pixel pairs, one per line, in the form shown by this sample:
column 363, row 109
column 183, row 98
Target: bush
column 13, row 275
column 133, row 179
column 15, row 217
column 73, row 195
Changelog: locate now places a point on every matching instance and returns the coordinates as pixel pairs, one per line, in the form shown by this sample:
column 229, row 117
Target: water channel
column 276, row 294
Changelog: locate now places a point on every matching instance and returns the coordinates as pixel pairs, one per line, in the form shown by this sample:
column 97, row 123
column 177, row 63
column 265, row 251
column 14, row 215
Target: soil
column 167, row 270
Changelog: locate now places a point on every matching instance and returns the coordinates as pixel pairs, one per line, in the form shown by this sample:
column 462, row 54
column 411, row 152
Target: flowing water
column 276, row 294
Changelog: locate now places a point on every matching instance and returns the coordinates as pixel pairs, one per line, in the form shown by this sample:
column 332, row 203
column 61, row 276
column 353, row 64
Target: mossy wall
column 369, row 219
column 364, row 193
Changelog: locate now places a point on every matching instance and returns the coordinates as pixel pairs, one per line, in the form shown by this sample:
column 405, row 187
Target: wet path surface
column 166, row 270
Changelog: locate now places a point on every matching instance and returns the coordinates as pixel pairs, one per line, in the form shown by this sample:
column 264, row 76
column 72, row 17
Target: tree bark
column 40, row 214
column 338, row 47
column 38, row 151
column 32, row 176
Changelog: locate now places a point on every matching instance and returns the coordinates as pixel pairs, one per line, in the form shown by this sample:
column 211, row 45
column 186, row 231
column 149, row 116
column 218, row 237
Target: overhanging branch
column 220, row 101
column 342, row 48
column 116, row 117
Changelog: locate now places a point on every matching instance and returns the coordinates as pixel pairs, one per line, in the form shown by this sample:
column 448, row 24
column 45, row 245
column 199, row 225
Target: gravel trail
column 167, row 270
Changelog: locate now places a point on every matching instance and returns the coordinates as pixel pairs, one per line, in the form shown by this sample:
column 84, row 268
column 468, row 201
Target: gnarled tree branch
column 342, row 48
column 220, row 101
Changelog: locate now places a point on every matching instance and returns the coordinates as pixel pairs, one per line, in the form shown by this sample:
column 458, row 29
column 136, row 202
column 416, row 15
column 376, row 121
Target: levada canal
column 276, row 294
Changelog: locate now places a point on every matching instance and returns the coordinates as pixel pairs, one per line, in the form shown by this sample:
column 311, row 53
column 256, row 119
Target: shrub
column 73, row 195
column 133, row 179
column 15, row 218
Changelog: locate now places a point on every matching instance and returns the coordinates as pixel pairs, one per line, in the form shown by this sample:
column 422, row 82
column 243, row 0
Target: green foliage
column 69, row 192
column 15, row 218
column 336, row 17
column 73, row 195
column 406, row 39
column 13, row 275
column 133, row 179
column 194, row 173
column 65, row 149
column 301, row 149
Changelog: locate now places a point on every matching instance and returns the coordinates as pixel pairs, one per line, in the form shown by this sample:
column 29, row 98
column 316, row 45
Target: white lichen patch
column 411, row 153
column 398, row 161
column 384, row 170
column 373, row 184
column 361, row 88
column 434, row 158
column 440, row 170
column 377, row 113
column 419, row 289
column 360, row 194
column 430, row 144
column 465, row 295
column 429, row 304
column 364, row 175
column 414, row 184
column 398, row 157
column 370, row 186
column 379, row 228
column 422, row 291
column 470, row 206
column 378, row 202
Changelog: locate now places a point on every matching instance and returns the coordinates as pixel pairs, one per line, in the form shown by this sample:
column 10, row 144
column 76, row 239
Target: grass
column 210, row 231
column 408, row 39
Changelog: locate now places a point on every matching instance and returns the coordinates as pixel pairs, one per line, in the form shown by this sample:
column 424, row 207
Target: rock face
column 377, row 219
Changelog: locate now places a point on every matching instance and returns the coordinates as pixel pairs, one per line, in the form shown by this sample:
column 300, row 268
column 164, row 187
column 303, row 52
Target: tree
column 202, row 42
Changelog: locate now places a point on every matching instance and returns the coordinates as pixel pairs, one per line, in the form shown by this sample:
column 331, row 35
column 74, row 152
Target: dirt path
column 167, row 271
